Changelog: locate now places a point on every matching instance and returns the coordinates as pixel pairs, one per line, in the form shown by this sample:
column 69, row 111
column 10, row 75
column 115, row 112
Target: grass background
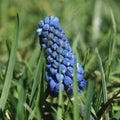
column 93, row 30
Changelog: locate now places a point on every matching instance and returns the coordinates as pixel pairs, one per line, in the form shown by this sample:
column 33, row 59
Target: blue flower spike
column 59, row 57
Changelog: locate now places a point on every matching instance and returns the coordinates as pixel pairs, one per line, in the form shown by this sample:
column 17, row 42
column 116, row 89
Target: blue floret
column 60, row 59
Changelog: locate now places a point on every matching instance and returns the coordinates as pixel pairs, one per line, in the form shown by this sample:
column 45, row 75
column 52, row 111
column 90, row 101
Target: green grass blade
column 36, row 110
column 90, row 91
column 111, row 45
column 21, row 99
column 98, row 100
column 11, row 64
column 75, row 95
column 60, row 103
column 60, row 99
column 114, row 30
column 104, row 88
column 37, row 86
column 38, row 73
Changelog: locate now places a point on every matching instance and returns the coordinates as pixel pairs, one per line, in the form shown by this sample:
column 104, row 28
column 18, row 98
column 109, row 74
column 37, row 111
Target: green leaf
column 104, row 88
column 10, row 68
column 60, row 103
column 37, row 90
column 21, row 98
column 111, row 46
column 60, row 100
column 36, row 81
column 75, row 94
column 90, row 91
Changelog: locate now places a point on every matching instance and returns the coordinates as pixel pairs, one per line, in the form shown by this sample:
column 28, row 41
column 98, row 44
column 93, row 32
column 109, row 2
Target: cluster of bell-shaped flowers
column 60, row 59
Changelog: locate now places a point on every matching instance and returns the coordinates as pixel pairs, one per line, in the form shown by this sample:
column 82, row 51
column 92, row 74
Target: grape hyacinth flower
column 60, row 59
